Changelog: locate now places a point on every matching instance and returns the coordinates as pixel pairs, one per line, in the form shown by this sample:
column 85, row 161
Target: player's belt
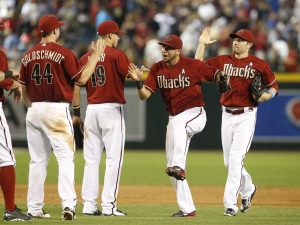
column 238, row 111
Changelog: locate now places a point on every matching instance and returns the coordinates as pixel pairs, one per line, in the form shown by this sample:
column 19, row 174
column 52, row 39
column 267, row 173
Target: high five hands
column 136, row 73
column 205, row 37
column 98, row 46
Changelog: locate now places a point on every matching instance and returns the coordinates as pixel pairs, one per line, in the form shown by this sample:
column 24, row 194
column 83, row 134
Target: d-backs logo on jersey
column 246, row 72
column 181, row 82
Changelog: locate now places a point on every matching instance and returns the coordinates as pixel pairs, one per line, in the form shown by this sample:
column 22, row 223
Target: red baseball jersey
column 242, row 72
column 108, row 80
column 49, row 72
column 8, row 82
column 180, row 84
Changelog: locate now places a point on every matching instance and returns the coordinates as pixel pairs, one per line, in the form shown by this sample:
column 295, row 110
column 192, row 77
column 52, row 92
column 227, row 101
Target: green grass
column 268, row 169
column 160, row 215
column 273, row 169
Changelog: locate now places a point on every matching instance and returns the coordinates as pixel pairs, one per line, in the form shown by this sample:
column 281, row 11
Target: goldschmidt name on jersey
column 42, row 54
column 246, row 72
column 181, row 82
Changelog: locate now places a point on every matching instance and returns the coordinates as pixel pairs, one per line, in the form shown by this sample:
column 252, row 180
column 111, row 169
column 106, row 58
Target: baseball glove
column 222, row 81
column 257, row 87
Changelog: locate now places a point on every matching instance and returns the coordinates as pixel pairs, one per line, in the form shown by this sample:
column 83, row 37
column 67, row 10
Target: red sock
column 7, row 183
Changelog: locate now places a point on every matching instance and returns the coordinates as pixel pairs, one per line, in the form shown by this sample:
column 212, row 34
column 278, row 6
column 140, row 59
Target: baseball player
column 7, row 158
column 179, row 80
column 239, row 112
column 48, row 72
column 104, row 125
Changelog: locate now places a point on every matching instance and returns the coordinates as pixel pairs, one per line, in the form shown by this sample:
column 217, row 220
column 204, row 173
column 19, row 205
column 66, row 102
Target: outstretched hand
column 205, row 37
column 98, row 47
column 144, row 68
column 16, row 74
column 134, row 72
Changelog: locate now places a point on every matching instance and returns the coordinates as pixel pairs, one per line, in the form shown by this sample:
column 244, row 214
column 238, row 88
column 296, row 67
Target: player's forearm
column 88, row 69
column 144, row 93
column 266, row 96
column 25, row 97
column 2, row 76
column 200, row 51
column 76, row 96
column 76, row 104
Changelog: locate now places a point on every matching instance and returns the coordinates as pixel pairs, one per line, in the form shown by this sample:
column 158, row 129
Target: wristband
column 139, row 84
column 76, row 110
column 8, row 74
column 272, row 92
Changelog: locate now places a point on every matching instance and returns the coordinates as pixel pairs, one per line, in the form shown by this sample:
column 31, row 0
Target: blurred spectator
column 7, row 8
column 152, row 51
column 276, row 24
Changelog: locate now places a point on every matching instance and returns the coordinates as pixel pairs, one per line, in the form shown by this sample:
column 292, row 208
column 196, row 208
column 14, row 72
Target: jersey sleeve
column 3, row 62
column 269, row 78
column 206, row 72
column 122, row 62
column 22, row 79
column 150, row 82
column 83, row 60
column 72, row 67
column 8, row 82
column 213, row 62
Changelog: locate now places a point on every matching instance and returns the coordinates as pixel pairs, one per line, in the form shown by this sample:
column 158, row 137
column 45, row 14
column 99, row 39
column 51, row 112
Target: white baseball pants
column 237, row 133
column 180, row 130
column 7, row 157
column 104, row 127
column 49, row 125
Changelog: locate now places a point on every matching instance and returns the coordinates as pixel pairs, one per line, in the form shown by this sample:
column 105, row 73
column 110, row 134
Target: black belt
column 238, row 111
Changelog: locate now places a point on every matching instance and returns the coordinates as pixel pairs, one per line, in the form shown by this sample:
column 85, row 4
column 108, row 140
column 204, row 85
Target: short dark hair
column 46, row 34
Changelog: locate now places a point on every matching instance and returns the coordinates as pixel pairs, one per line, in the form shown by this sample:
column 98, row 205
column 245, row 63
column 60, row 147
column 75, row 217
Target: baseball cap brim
column 121, row 32
column 244, row 35
column 234, row 35
column 167, row 45
column 61, row 23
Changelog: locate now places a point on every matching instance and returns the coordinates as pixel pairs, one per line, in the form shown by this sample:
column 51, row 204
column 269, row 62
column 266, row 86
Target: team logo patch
column 293, row 111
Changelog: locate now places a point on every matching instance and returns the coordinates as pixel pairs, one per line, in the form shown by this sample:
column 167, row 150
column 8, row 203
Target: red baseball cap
column 109, row 27
column 48, row 23
column 172, row 41
column 244, row 34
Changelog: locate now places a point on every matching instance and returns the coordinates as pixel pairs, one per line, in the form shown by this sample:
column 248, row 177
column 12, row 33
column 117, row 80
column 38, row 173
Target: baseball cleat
column 246, row 203
column 115, row 213
column 42, row 214
column 68, row 214
column 95, row 213
column 15, row 215
column 177, row 172
column 183, row 214
column 230, row 212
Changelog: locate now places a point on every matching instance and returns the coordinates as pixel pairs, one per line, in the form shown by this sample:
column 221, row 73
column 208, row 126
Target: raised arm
column 204, row 39
column 97, row 50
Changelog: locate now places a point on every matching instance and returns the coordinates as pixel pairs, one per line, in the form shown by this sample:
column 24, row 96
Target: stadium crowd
column 276, row 24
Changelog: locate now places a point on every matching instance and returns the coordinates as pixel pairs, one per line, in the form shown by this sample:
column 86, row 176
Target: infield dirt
column 204, row 195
